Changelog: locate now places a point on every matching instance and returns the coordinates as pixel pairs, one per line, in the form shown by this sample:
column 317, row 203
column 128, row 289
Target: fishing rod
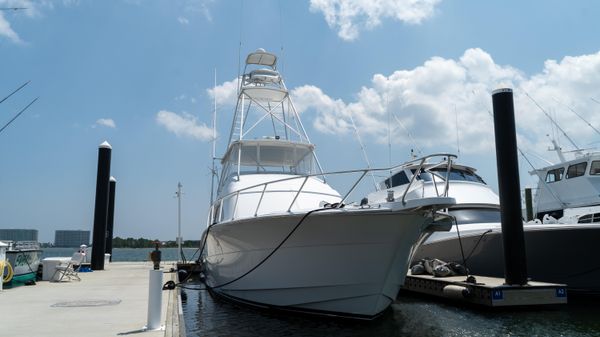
column 414, row 143
column 553, row 121
column 578, row 115
column 364, row 151
column 19, row 114
column 14, row 92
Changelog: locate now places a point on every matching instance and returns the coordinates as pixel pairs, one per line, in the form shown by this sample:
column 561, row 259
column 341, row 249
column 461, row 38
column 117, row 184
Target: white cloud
column 199, row 7
column 429, row 98
column 108, row 122
column 183, row 20
column 349, row 17
column 31, row 9
column 183, row 125
column 226, row 93
column 6, row 30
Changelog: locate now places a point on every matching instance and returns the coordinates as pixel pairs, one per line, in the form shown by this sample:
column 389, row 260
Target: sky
column 140, row 75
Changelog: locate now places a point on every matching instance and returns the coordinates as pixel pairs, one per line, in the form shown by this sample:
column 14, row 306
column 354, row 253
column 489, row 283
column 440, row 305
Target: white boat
column 24, row 259
column 280, row 237
column 569, row 188
column 557, row 253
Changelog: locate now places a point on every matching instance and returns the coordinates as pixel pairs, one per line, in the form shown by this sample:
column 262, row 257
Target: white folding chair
column 70, row 270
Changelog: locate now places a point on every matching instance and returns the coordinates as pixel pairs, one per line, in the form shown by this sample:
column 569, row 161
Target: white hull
column 24, row 262
column 556, row 253
column 348, row 262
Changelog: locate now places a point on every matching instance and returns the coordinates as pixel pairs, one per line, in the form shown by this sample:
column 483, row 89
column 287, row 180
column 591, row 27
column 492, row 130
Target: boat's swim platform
column 487, row 291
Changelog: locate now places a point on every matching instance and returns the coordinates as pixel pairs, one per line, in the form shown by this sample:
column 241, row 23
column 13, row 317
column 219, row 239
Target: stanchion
column 155, row 300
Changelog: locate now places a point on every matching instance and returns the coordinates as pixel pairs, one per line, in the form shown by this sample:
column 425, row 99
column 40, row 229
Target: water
column 125, row 254
column 411, row 315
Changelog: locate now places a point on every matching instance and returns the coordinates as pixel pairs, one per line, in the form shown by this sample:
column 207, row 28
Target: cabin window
column 576, row 170
column 589, row 218
column 555, row 175
column 595, row 168
column 397, row 179
column 455, row 175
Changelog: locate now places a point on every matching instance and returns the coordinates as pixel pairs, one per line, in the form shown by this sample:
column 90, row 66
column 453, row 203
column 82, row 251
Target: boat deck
column 487, row 291
column 104, row 303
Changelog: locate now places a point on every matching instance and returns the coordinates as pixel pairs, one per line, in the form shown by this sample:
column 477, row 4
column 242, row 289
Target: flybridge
column 266, row 135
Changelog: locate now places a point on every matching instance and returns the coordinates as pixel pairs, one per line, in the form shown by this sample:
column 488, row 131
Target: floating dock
column 487, row 291
column 109, row 302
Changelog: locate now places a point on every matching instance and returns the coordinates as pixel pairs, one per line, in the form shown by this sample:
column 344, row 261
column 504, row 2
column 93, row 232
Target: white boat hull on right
column 348, row 262
column 556, row 253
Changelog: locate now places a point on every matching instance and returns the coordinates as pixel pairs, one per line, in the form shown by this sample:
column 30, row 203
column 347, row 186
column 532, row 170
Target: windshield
column 476, row 215
column 455, row 175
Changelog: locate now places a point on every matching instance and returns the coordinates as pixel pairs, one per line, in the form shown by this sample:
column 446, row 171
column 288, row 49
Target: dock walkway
column 104, row 303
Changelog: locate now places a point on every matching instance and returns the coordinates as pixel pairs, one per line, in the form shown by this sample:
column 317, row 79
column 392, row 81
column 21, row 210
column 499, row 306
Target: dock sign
column 497, row 295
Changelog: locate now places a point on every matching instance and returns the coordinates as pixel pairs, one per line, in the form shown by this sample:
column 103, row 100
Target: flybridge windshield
column 269, row 156
column 455, row 175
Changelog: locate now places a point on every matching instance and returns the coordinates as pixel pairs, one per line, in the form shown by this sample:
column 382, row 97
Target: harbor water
column 410, row 315
column 126, row 254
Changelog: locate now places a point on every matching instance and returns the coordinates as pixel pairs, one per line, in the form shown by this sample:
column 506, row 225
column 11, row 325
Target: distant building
column 19, row 234
column 71, row 238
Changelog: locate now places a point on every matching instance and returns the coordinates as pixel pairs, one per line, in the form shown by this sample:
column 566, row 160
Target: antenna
column 414, row 143
column 389, row 131
column 19, row 114
column 240, row 47
column 457, row 139
column 214, row 141
column 364, row 151
column 552, row 120
column 15, row 91
column 12, row 8
column 281, row 37
column 178, row 196
column 578, row 115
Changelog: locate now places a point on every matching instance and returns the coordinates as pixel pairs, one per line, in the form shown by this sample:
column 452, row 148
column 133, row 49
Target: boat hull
column 25, row 263
column 557, row 253
column 337, row 262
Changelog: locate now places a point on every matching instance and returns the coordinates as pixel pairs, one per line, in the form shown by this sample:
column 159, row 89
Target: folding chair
column 71, row 269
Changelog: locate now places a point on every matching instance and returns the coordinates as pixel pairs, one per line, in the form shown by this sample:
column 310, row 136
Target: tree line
column 149, row 243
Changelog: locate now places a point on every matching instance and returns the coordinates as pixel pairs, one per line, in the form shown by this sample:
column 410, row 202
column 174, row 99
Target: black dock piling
column 528, row 204
column 515, row 262
column 101, row 206
column 111, row 216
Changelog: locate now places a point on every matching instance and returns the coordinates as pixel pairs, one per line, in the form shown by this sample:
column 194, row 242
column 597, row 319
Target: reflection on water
column 410, row 316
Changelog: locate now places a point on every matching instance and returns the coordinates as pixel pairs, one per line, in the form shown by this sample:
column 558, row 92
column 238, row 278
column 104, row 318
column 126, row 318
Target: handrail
column 260, row 200
column 364, row 172
column 422, row 162
column 412, row 179
column 297, row 194
column 352, row 189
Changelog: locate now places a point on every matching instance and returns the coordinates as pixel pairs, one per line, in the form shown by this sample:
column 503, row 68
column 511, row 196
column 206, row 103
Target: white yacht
column 558, row 253
column 570, row 188
column 280, row 237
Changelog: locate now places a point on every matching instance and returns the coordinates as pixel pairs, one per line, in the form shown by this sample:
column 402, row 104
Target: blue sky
column 105, row 70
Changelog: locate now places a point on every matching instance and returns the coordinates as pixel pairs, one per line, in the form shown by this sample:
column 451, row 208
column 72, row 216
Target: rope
column 10, row 272
column 180, row 284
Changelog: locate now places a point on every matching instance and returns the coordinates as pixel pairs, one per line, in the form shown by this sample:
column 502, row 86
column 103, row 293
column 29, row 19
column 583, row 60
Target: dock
column 487, row 291
column 110, row 302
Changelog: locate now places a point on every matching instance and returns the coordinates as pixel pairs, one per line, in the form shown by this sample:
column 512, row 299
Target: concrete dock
column 104, row 303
